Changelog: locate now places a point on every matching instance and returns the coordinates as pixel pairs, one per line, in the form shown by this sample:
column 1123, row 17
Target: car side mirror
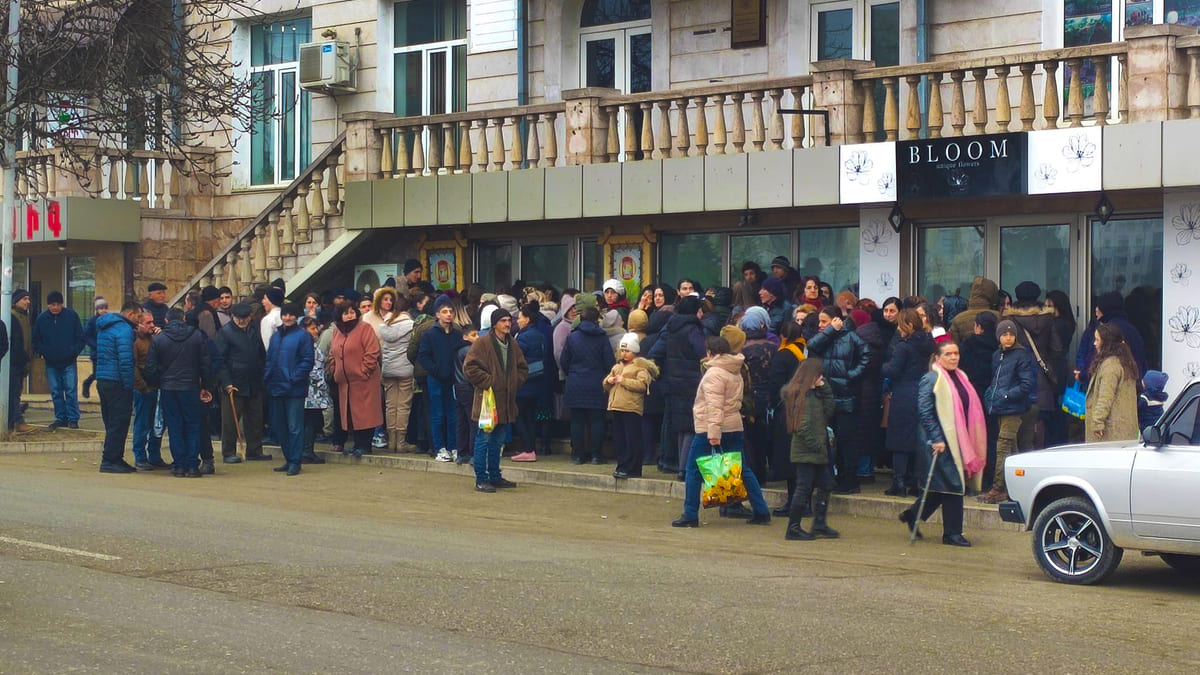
column 1151, row 436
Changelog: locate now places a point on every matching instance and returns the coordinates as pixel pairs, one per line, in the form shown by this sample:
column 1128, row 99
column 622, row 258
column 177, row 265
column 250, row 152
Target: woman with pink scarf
column 952, row 434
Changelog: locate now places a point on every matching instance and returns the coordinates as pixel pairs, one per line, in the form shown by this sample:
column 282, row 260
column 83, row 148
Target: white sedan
column 1087, row 503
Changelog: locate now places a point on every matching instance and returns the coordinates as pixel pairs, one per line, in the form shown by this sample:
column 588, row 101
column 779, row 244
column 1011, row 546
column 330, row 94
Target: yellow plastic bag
column 487, row 411
column 722, row 474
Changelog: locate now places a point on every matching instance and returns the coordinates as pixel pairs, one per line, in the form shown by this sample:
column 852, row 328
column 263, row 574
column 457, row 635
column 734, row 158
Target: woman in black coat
column 868, row 435
column 846, row 357
column 586, row 359
column 903, row 371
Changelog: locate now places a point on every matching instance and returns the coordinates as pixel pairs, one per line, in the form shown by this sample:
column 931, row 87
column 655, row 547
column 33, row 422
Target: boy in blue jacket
column 1153, row 398
column 1012, row 399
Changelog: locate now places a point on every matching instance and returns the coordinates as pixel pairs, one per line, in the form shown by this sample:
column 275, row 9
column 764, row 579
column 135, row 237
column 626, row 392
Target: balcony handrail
column 738, row 86
column 931, row 67
column 469, row 116
column 290, row 192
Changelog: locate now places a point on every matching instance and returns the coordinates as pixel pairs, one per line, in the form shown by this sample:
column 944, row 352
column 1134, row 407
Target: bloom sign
column 976, row 166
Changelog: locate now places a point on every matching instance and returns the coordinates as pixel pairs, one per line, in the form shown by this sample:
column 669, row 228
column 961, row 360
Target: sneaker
column 72, row 425
column 503, row 483
column 485, row 487
column 232, row 459
column 463, row 458
column 55, row 425
column 529, row 456
column 207, row 468
column 444, row 455
column 379, row 441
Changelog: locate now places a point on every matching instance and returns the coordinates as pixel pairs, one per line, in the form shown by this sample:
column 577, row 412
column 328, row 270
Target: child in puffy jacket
column 1153, row 398
column 627, row 384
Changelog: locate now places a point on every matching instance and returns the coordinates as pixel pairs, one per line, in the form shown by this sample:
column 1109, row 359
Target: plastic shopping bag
column 722, row 473
column 1074, row 401
column 487, row 411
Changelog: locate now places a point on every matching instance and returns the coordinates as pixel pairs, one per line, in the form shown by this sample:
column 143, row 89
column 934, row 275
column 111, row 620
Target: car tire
column 1070, row 544
column 1182, row 563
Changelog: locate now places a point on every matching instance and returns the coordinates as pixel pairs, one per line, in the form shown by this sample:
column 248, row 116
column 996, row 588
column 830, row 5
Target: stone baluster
column 891, row 109
column 664, row 131
column 497, row 163
column 1050, row 96
column 1123, row 87
column 550, row 156
column 1100, row 102
column 143, row 178
column 1075, row 93
column 303, row 220
column 231, row 272
column 870, row 124
column 273, row 255
column 683, row 136
column 701, row 139
column 632, row 142
column 434, row 142
column 758, row 130
column 937, row 118
column 387, row 162
column 1003, row 104
column 516, row 151
column 218, row 273
column 419, row 167
column 533, row 147
column 1028, row 106
column 481, row 148
column 115, row 190
column 465, row 155
column 739, row 121
column 612, row 136
column 95, row 175
column 287, row 231
column 912, row 116
column 260, row 248
column 51, row 179
column 449, row 152
column 246, row 261
column 159, row 164
column 176, row 180
column 333, row 204
column 317, row 209
column 129, row 181
column 979, row 111
column 958, row 105
column 647, row 130
column 403, row 158
column 798, row 121
column 775, row 122
column 720, row 136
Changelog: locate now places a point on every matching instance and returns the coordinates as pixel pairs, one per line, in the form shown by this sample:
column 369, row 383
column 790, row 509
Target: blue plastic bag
column 1074, row 401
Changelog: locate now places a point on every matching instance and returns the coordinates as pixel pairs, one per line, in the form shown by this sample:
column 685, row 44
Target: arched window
column 604, row 12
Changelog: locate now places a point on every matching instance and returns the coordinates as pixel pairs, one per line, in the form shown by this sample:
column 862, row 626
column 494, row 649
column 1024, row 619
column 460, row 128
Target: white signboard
column 493, row 26
column 1065, row 160
column 1181, row 280
column 878, row 256
column 867, row 173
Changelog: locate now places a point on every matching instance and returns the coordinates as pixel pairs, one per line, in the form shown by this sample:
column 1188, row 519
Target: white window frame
column 277, row 71
column 621, row 34
column 426, row 49
column 860, row 24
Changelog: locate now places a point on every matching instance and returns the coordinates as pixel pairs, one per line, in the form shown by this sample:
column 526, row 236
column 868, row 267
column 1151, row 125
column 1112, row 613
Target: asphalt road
column 350, row 569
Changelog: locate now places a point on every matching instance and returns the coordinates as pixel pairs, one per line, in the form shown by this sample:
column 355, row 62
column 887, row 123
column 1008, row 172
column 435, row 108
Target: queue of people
column 815, row 389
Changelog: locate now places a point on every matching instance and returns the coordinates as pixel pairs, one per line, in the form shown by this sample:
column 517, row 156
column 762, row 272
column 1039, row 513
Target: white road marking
column 58, row 549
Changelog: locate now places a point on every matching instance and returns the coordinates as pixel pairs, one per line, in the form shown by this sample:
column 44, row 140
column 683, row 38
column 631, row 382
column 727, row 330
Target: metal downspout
column 922, row 57
column 522, row 65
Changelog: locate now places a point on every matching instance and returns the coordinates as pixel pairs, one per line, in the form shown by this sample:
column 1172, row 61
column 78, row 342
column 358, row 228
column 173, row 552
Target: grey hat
column 1006, row 326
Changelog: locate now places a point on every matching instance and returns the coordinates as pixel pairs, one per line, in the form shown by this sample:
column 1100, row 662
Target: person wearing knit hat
column 627, row 384
column 1011, row 400
column 582, row 302
column 494, row 362
column 773, row 295
column 21, row 355
column 859, row 317
column 1153, row 398
column 443, row 300
column 289, row 357
column 58, row 338
column 780, row 262
column 614, row 299
column 735, row 337
column 272, row 302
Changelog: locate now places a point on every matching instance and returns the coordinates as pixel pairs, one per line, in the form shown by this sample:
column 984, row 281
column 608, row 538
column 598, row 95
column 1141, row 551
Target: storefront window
column 948, row 260
column 494, row 266
column 1127, row 256
column 831, row 254
column 545, row 264
column 759, row 248
column 593, row 266
column 81, row 285
column 1040, row 254
column 695, row 256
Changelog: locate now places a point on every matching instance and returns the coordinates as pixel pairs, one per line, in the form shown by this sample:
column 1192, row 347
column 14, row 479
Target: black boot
column 820, row 528
column 906, row 517
column 897, row 489
column 795, row 532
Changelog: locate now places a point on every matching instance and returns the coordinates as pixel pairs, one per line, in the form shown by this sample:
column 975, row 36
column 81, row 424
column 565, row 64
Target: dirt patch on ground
column 44, row 435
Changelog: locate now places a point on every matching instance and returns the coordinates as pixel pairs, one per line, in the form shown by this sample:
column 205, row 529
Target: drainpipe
column 922, row 57
column 522, row 66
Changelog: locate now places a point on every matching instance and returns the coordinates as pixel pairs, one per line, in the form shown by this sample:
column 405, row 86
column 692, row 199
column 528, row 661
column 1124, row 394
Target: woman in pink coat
column 354, row 363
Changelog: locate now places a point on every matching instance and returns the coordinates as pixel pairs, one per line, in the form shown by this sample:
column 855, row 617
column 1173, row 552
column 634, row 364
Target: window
column 81, row 285
column 948, row 260
column 615, row 46
column 562, row 262
column 1127, row 256
column 547, row 263
column 279, row 139
column 430, row 57
column 592, row 254
column 856, row 29
column 1041, row 254
column 1184, row 429
column 494, row 266
column 759, row 248
column 695, row 256
column 832, row 255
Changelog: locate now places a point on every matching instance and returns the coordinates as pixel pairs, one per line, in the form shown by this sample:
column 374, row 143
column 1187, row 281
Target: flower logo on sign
column 1079, row 152
column 1046, row 173
column 1185, row 326
column 858, row 167
column 1180, row 274
column 1188, row 224
column 876, row 237
column 1192, row 369
column 886, row 282
column 887, row 182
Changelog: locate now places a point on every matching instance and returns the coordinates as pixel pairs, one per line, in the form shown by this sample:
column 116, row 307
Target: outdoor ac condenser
column 327, row 67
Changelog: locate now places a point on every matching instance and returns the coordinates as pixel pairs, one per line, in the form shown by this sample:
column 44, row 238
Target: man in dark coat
column 289, row 361
column 156, row 303
column 678, row 351
column 586, row 359
column 240, row 385
column 180, row 364
column 494, row 362
column 20, row 346
column 58, row 338
column 114, row 382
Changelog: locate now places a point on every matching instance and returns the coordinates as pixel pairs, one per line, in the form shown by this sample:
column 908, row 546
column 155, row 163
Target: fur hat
column 630, row 342
column 1027, row 291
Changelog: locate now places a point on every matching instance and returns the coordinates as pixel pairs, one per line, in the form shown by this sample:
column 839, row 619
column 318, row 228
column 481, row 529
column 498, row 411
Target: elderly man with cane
column 241, row 384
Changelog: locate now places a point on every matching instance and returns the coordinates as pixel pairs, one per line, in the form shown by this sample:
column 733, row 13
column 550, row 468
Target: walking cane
column 237, row 423
column 912, row 536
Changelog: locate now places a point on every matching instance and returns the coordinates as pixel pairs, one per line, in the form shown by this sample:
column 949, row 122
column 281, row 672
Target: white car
column 1087, row 503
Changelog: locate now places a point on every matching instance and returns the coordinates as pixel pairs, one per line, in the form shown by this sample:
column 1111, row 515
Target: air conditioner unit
column 327, row 67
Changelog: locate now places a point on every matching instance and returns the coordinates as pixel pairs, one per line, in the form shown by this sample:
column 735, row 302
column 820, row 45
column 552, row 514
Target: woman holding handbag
column 717, row 415
column 535, row 398
column 1112, row 389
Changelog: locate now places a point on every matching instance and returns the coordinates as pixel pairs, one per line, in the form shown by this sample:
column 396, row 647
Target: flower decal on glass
column 1180, row 274
column 1187, row 223
column 886, row 282
column 887, row 182
column 876, row 238
column 1079, row 152
column 1185, row 326
column 1192, row 369
column 859, row 167
column 1046, row 173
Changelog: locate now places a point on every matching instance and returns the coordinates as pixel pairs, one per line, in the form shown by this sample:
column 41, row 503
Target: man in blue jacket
column 58, row 337
column 114, row 382
column 290, row 359
column 436, row 354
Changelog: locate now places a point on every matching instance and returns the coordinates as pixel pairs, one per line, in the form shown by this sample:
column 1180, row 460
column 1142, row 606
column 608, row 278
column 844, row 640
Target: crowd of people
column 814, row 388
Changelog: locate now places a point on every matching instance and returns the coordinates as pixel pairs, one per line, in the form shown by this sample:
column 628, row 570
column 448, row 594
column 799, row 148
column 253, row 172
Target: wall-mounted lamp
column 748, row 219
column 1104, row 209
column 62, row 246
column 896, row 218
